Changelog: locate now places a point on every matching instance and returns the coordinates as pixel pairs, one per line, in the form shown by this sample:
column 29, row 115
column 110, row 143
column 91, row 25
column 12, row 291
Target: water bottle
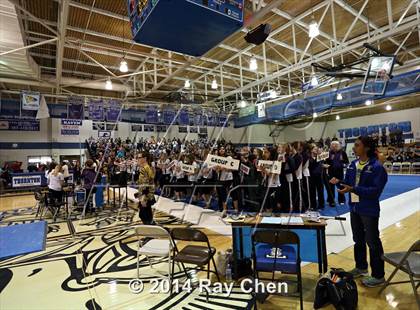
column 228, row 275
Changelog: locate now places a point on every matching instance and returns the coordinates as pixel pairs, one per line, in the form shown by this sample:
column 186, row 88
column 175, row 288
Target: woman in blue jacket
column 365, row 180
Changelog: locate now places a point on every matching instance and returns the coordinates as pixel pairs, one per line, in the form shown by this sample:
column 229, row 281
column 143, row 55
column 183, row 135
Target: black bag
column 342, row 293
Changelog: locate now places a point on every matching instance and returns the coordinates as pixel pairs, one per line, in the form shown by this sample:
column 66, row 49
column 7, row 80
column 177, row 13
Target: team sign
column 26, row 181
column 224, row 162
column 187, row 168
column 323, row 156
column 273, row 166
column 245, row 169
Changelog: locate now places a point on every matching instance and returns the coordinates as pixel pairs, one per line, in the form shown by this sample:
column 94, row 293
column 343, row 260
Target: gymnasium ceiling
column 86, row 40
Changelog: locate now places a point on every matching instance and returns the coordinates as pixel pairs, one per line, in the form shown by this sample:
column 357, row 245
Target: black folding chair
column 408, row 262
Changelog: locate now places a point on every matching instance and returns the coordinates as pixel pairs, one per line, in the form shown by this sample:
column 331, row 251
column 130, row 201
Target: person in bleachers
column 365, row 180
column 337, row 161
column 399, row 157
column 383, row 136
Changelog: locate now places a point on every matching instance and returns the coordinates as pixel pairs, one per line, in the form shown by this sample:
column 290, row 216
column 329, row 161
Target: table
column 238, row 239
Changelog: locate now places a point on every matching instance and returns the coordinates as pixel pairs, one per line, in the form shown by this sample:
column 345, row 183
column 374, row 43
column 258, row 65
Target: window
column 37, row 160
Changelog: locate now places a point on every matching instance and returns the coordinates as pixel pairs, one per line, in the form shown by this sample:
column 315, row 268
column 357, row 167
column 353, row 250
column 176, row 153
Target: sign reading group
column 224, row 162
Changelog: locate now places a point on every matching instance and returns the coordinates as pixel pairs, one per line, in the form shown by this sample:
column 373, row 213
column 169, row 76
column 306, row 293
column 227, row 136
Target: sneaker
column 357, row 273
column 373, row 282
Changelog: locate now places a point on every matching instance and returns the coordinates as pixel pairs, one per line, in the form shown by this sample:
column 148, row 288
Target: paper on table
column 271, row 220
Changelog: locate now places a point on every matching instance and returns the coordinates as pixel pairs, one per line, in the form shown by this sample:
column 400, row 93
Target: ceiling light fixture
column 242, row 104
column 253, row 65
column 214, row 84
column 315, row 115
column 337, row 117
column 339, row 96
column 368, row 102
column 388, row 107
column 123, row 66
column 314, row 81
column 313, row 29
column 108, row 84
column 187, row 84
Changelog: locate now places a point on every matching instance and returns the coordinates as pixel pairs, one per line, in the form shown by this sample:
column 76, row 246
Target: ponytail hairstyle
column 370, row 146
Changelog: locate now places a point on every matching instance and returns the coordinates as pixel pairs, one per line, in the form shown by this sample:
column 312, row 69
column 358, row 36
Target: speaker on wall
column 259, row 34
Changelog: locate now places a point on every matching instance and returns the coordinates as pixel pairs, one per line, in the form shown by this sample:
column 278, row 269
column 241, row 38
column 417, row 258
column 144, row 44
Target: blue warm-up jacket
column 371, row 184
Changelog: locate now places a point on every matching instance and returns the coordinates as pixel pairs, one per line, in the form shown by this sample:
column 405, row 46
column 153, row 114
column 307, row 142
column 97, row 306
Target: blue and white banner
column 20, row 125
column 26, row 181
column 113, row 110
column 183, row 118
column 151, row 116
column 76, row 107
column 30, row 100
column 70, row 127
column 168, row 116
column 96, row 110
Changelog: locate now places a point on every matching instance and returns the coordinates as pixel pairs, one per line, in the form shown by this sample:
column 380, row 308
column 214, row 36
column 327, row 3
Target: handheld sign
column 273, row 166
column 281, row 157
column 224, row 162
column 171, row 164
column 245, row 169
column 187, row 168
column 323, row 156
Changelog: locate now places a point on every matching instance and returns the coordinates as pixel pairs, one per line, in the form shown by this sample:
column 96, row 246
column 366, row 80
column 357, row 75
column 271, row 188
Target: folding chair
column 408, row 262
column 160, row 245
column 396, row 168
column 41, row 203
column 388, row 166
column 194, row 254
column 277, row 250
column 415, row 168
column 405, row 167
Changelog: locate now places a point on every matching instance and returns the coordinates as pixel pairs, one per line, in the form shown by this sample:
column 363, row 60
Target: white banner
column 273, row 166
column 323, row 156
column 30, row 100
column 261, row 109
column 187, row 168
column 225, row 162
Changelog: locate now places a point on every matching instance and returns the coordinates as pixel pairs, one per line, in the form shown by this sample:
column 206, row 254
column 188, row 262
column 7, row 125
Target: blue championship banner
column 96, row 110
column 20, row 125
column 113, row 110
column 76, row 107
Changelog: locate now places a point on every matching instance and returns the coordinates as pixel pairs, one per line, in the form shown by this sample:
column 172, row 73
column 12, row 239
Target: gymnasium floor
column 88, row 263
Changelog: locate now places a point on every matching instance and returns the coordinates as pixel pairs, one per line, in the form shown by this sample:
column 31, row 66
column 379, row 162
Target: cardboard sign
column 323, row 156
column 171, row 164
column 245, row 169
column 224, row 162
column 273, row 166
column 187, row 168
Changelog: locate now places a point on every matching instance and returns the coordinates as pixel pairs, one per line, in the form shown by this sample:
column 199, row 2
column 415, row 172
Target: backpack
column 338, row 288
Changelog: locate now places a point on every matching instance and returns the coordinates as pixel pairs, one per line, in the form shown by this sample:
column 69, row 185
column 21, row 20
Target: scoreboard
column 186, row 26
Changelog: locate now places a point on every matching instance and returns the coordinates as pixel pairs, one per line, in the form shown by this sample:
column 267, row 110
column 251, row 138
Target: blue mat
column 22, row 239
column 397, row 184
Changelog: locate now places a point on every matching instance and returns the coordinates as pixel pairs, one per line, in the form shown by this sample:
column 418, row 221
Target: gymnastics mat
column 22, row 239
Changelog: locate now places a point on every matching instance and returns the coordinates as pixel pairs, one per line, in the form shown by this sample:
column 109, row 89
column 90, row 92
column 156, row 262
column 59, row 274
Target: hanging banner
column 261, row 109
column 151, row 116
column 168, row 117
column 323, row 156
column 30, row 100
column 224, row 162
column 198, row 119
column 76, row 107
column 273, row 166
column 183, row 118
column 70, row 127
column 96, row 110
column 113, row 110
column 20, row 125
column 223, row 120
